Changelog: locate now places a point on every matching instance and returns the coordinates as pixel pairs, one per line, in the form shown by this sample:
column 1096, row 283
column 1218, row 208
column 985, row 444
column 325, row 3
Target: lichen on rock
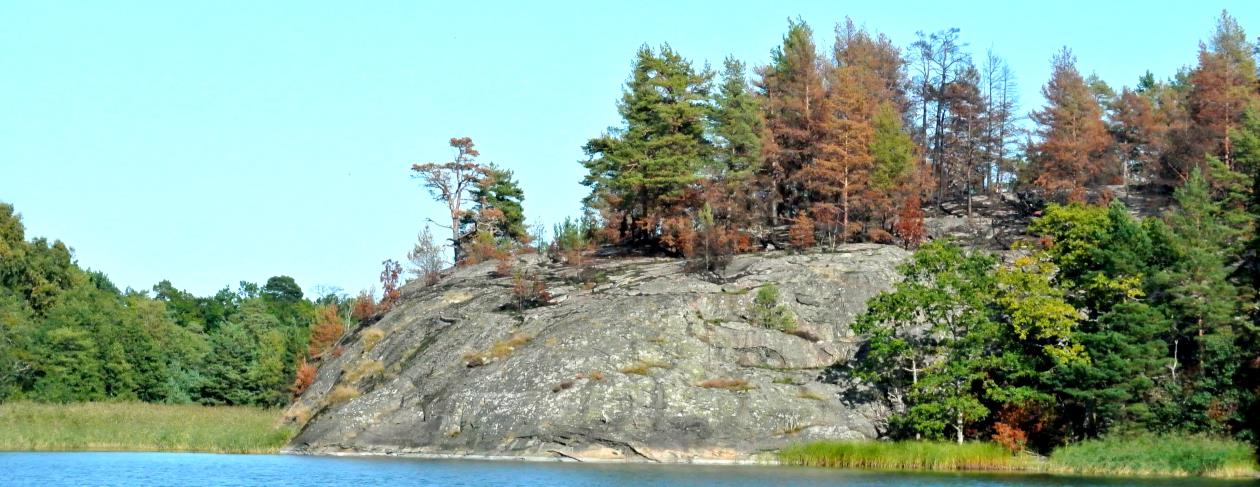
column 642, row 361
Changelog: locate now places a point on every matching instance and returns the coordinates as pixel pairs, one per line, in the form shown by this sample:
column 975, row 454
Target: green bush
column 766, row 310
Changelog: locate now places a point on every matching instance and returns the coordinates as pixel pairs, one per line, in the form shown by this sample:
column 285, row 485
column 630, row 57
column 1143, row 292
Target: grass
column 498, row 351
column 342, row 394
column 644, row 367
column 363, row 369
column 1141, row 455
column 903, row 455
column 1161, row 455
column 371, row 337
column 727, row 383
column 130, row 426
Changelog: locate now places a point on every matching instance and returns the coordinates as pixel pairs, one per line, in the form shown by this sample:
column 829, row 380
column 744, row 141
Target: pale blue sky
column 213, row 142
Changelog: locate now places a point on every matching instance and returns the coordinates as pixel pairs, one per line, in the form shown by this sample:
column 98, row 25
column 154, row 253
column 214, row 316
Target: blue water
column 128, row 469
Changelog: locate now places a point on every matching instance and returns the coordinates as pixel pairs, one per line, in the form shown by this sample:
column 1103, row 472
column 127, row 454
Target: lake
column 111, row 469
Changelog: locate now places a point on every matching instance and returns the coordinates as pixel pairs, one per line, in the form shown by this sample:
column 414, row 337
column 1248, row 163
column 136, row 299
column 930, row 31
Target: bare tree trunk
column 958, row 425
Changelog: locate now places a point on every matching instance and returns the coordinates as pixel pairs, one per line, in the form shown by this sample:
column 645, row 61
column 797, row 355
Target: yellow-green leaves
column 1034, row 307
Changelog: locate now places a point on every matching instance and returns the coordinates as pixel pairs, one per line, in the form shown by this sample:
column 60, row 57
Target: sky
column 210, row 143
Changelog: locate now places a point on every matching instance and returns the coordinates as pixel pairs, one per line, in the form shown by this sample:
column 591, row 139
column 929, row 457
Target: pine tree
column 792, row 87
column 498, row 192
column 876, row 55
column 841, row 168
column 1071, row 152
column 1138, row 132
column 639, row 174
column 451, row 182
column 1203, row 304
column 732, row 191
column 737, row 125
column 1223, row 87
column 893, row 166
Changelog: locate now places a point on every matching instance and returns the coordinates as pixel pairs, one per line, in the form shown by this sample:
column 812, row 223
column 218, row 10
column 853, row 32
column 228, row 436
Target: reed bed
column 905, row 455
column 1156, row 455
column 1143, row 455
column 133, row 426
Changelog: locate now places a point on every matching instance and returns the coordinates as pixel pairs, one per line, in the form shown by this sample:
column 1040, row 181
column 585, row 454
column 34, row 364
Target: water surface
column 119, row 469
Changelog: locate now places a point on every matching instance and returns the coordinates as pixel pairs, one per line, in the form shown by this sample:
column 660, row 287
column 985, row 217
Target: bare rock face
column 634, row 359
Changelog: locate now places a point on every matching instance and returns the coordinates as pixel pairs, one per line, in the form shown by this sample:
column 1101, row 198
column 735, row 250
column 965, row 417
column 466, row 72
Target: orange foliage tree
column 364, row 307
column 801, row 233
column 909, row 226
column 303, row 378
column 327, row 329
column 390, row 276
column 1072, row 152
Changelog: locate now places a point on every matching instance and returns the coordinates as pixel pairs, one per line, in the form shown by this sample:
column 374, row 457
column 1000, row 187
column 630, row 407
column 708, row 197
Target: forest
column 68, row 334
column 1103, row 319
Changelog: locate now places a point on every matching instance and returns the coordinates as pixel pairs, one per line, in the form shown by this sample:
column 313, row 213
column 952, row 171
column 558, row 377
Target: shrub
column 303, row 378
column 485, row 247
column 678, row 236
column 503, row 267
column 569, row 240
column 909, row 226
column 364, row 307
column 390, row 275
column 529, row 291
column 1010, row 437
column 879, row 235
column 767, row 312
column 713, row 244
column 426, row 258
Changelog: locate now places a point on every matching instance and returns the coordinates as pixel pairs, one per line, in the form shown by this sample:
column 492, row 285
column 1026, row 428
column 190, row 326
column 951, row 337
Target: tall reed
column 131, row 426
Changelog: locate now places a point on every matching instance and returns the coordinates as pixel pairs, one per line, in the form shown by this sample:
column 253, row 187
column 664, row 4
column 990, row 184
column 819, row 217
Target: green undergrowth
column 133, row 426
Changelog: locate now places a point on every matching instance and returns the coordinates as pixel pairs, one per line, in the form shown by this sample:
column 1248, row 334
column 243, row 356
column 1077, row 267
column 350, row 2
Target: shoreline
column 765, row 459
column 556, row 457
column 751, row 462
column 769, row 460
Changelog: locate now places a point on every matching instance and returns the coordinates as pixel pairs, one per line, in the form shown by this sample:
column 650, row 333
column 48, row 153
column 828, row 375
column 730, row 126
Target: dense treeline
column 847, row 144
column 1104, row 325
column 69, row 334
column 1099, row 323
